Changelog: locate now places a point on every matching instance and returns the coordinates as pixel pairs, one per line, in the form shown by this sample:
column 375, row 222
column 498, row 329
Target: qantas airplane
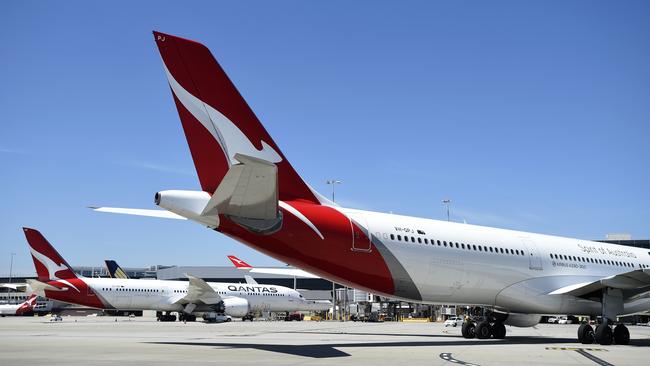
column 23, row 308
column 251, row 193
column 57, row 281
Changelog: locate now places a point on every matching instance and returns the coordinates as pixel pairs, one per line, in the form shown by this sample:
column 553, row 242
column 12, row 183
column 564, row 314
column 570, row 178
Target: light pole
column 447, row 202
column 333, row 182
column 11, row 266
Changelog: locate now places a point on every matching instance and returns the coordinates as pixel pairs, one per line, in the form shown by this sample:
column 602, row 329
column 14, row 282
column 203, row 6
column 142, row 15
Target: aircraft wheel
column 585, row 334
column 621, row 334
column 498, row 331
column 468, row 330
column 603, row 334
column 483, row 330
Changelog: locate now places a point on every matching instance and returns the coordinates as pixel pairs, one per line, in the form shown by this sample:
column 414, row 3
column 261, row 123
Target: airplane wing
column 250, row 280
column 633, row 280
column 139, row 212
column 294, row 272
column 200, row 291
column 22, row 287
column 285, row 271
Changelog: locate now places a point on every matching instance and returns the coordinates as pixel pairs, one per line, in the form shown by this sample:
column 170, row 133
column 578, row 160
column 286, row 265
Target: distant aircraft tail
column 240, row 264
column 217, row 121
column 114, row 269
column 48, row 262
column 28, row 306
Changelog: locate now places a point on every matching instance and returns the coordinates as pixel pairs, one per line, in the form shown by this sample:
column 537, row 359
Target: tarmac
column 143, row 341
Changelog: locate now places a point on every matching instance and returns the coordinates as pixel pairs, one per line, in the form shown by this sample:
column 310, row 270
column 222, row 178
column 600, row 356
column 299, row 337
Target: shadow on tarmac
column 331, row 350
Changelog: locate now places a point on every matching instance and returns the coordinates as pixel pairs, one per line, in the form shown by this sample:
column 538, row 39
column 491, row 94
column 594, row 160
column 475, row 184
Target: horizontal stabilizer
column 633, row 280
column 139, row 212
column 39, row 287
column 199, row 291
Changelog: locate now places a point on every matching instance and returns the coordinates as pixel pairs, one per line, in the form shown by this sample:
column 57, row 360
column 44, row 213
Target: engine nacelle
column 522, row 320
column 234, row 306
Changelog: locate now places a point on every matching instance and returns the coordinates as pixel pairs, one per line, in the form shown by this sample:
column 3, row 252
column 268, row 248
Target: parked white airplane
column 251, row 193
column 23, row 308
column 57, row 281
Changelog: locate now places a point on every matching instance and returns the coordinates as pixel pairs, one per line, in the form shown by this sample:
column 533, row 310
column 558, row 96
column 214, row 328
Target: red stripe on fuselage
column 331, row 257
column 85, row 296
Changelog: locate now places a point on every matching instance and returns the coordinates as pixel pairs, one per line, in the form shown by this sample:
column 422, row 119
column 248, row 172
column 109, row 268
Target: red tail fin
column 48, row 262
column 239, row 263
column 216, row 119
column 27, row 306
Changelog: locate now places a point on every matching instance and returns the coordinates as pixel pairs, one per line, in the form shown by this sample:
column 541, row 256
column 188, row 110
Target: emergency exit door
column 361, row 241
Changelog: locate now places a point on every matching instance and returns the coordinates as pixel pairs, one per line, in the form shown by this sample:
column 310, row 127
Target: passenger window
column 457, row 247
column 480, row 248
column 392, row 237
column 474, row 246
column 412, row 239
column 399, row 237
column 426, row 241
column 444, row 243
column 491, row 250
column 438, row 242
column 501, row 249
column 419, row 240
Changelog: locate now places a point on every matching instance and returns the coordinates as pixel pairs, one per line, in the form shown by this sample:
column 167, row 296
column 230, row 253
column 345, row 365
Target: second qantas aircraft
column 57, row 281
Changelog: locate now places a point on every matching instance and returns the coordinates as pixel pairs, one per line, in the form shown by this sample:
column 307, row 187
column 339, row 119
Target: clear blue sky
column 528, row 115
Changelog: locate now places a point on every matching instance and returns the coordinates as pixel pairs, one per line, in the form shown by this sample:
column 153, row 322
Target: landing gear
column 165, row 317
column 183, row 317
column 586, row 334
column 612, row 304
column 621, row 334
column 604, row 334
column 468, row 329
column 483, row 330
column 499, row 331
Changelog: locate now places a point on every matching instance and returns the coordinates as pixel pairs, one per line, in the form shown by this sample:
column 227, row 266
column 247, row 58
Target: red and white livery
column 251, row 193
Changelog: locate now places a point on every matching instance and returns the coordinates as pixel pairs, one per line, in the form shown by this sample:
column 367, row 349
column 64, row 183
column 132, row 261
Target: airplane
column 295, row 272
column 251, row 193
column 57, row 281
column 114, row 270
column 23, row 308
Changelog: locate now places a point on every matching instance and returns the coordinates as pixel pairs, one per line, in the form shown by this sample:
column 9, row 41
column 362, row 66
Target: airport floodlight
column 447, row 202
column 333, row 182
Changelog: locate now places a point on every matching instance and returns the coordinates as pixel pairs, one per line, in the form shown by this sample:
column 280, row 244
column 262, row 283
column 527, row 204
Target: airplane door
column 534, row 257
column 360, row 233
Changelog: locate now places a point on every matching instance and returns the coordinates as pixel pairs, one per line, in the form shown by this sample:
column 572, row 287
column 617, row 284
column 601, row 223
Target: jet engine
column 233, row 306
column 522, row 320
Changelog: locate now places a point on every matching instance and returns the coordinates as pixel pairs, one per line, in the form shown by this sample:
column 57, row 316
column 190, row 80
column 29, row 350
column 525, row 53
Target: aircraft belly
column 531, row 296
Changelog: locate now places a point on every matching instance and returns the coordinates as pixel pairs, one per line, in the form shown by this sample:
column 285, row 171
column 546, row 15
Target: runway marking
column 583, row 351
column 447, row 357
column 597, row 360
column 575, row 349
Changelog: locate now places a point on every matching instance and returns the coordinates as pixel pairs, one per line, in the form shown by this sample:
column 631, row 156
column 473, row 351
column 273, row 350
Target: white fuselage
column 161, row 295
column 9, row 309
column 453, row 263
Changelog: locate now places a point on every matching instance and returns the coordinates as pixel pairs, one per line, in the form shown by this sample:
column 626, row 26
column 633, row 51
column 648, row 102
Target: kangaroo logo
column 52, row 268
column 231, row 139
